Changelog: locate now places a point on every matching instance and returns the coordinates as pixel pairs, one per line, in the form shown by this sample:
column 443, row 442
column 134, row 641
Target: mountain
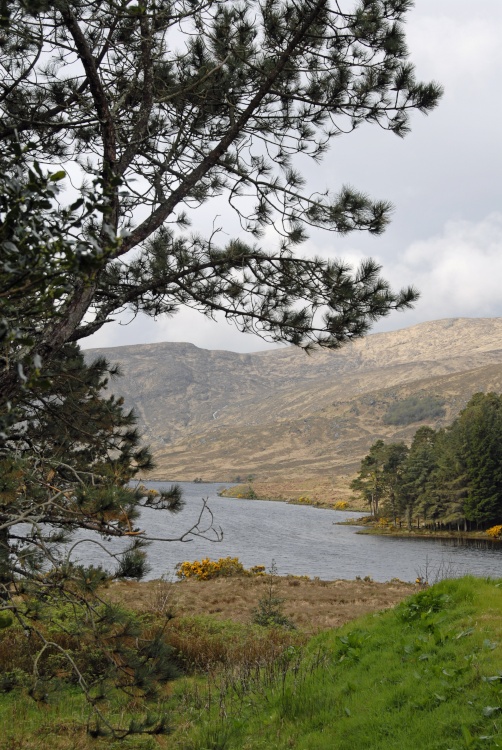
column 283, row 415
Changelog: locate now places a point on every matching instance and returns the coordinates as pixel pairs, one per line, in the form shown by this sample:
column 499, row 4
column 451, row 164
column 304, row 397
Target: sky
column 444, row 180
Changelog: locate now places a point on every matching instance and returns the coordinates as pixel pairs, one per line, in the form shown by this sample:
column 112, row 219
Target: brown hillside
column 286, row 417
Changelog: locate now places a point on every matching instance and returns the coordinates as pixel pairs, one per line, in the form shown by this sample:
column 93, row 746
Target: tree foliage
column 379, row 476
column 169, row 106
column 68, row 466
column 146, row 112
column 451, row 477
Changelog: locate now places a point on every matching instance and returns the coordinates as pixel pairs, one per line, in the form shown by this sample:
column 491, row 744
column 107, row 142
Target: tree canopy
column 451, row 477
column 165, row 107
column 144, row 112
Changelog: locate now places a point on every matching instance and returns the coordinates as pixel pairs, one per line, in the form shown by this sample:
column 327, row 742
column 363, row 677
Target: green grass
column 60, row 722
column 424, row 676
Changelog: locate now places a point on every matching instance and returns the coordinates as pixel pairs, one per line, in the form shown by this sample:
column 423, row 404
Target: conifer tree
column 370, row 483
column 418, row 476
column 477, row 437
column 153, row 110
column 396, row 455
column 68, row 466
column 167, row 106
column 451, row 477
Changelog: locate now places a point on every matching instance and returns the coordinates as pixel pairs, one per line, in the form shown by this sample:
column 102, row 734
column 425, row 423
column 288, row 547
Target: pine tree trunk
column 5, row 573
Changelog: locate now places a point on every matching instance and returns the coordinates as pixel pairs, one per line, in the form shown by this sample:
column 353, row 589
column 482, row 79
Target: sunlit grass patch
column 425, row 675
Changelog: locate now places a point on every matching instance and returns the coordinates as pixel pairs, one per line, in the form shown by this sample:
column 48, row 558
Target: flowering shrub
column 257, row 570
column 225, row 567
column 495, row 532
column 247, row 494
column 341, row 505
column 384, row 523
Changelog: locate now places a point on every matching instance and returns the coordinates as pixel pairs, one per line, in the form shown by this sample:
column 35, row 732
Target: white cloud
column 444, row 180
column 458, row 49
column 458, row 272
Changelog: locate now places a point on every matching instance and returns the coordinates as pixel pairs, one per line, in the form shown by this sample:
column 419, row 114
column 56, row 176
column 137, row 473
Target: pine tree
column 370, row 482
column 396, row 455
column 156, row 109
column 165, row 107
column 418, row 473
column 477, row 433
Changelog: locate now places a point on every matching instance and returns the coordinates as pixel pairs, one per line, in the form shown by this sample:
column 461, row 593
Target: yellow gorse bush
column 341, row 505
column 495, row 531
column 225, row 567
column 384, row 522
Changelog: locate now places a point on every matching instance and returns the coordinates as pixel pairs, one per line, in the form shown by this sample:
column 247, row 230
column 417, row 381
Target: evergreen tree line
column 448, row 478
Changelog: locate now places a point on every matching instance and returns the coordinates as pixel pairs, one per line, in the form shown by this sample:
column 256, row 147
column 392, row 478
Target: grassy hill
column 283, row 416
column 425, row 675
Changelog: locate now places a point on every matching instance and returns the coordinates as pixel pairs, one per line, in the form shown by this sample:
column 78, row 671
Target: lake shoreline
column 371, row 527
column 247, row 492
column 300, row 538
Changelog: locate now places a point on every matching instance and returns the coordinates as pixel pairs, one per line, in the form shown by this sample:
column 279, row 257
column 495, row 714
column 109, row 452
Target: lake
column 299, row 539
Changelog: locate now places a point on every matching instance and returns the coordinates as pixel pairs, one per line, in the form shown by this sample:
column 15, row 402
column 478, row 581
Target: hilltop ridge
column 281, row 414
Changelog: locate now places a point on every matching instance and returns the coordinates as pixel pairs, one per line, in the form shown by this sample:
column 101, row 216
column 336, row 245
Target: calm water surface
column 302, row 540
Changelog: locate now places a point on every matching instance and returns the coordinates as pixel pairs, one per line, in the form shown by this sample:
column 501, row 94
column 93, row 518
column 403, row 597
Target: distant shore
column 317, row 492
column 372, row 527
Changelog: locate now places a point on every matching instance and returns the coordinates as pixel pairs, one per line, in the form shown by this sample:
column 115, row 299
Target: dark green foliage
column 414, row 409
column 269, row 612
column 419, row 497
column 477, row 436
column 193, row 101
column 379, row 477
column 68, row 465
column 452, row 477
column 369, row 482
column 158, row 108
column 45, row 255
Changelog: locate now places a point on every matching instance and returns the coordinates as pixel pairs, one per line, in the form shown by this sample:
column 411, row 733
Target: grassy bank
column 425, row 674
column 309, row 492
column 384, row 527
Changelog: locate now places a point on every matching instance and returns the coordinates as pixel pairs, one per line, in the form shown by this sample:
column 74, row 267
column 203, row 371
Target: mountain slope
column 281, row 413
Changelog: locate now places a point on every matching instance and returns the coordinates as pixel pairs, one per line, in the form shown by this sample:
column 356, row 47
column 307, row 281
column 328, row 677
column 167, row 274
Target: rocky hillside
column 283, row 414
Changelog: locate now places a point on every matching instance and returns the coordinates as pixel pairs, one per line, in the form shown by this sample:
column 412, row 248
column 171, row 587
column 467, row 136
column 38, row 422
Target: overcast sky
column 444, row 180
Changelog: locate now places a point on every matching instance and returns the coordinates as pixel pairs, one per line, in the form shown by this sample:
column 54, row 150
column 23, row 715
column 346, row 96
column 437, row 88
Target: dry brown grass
column 312, row 605
column 319, row 490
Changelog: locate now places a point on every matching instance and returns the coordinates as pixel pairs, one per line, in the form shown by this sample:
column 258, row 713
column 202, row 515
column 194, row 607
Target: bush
column 495, row 532
column 269, row 613
column 414, row 409
column 206, row 569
